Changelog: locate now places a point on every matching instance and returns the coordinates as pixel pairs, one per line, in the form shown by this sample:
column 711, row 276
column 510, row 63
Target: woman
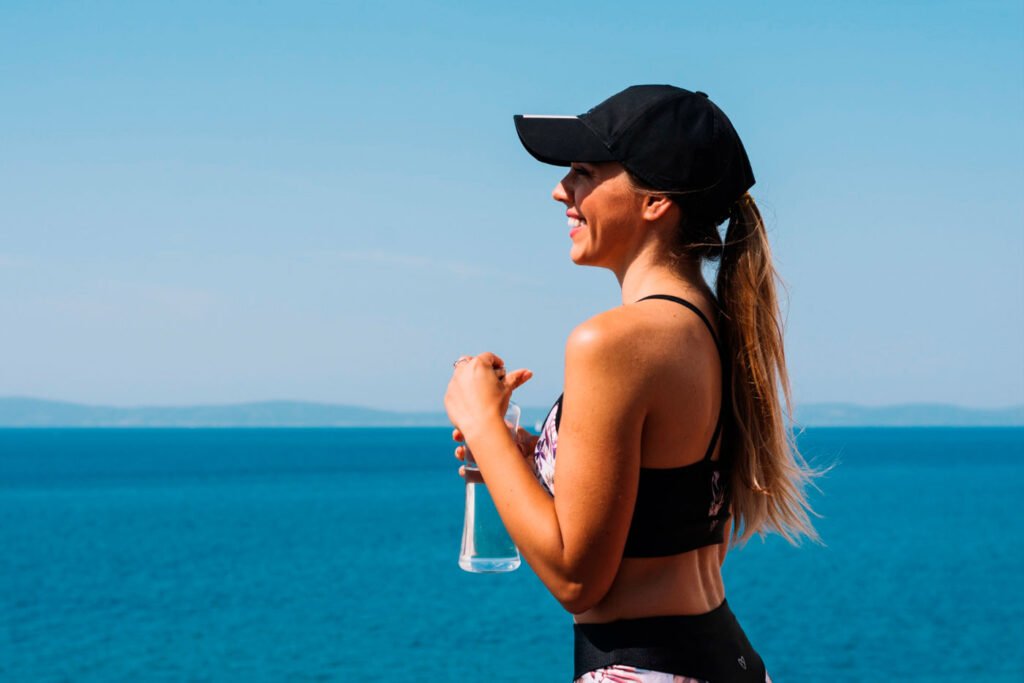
column 670, row 423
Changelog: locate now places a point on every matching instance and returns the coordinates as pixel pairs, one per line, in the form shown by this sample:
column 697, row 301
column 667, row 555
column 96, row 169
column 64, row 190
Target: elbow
column 581, row 585
column 577, row 597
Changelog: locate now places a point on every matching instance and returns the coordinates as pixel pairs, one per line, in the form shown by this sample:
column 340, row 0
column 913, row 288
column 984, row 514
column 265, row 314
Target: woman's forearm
column 528, row 512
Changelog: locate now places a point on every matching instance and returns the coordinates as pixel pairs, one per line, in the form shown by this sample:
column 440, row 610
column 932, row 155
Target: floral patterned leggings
column 619, row 673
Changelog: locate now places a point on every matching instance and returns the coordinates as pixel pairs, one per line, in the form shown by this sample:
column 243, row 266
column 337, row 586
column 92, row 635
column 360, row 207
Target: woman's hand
column 480, row 389
column 526, row 441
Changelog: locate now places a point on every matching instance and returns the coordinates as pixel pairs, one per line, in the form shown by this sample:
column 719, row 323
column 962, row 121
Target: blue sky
column 206, row 202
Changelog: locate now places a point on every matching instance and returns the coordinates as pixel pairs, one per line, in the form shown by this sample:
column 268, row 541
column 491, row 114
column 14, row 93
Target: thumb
column 517, row 378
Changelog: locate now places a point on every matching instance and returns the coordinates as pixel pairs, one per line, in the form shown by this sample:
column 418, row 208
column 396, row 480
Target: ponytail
column 769, row 474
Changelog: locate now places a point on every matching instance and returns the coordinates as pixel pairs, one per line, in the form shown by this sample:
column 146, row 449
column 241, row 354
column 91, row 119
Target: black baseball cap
column 671, row 139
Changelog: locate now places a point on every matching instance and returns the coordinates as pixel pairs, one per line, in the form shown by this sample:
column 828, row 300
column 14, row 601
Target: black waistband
column 709, row 646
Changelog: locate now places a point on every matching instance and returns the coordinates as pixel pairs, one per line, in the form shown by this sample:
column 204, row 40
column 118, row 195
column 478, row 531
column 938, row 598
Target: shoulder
column 608, row 350
column 605, row 336
column 637, row 333
column 643, row 347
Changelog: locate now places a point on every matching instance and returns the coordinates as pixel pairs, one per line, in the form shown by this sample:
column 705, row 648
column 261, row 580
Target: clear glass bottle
column 486, row 545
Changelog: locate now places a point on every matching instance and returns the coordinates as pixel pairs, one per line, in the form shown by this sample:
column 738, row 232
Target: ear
column 655, row 208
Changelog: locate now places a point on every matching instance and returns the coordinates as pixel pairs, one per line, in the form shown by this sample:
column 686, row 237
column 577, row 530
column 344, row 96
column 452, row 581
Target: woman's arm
column 526, row 441
column 575, row 540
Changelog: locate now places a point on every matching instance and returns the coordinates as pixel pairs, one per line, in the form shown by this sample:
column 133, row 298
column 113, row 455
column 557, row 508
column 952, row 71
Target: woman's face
column 604, row 213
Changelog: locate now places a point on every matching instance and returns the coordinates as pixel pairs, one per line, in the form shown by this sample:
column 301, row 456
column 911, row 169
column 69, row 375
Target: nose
column 563, row 191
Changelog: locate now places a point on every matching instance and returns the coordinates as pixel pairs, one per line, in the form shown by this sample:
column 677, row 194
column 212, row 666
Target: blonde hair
column 769, row 474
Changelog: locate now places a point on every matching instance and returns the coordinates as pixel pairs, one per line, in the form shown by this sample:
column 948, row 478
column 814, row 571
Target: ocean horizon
column 325, row 554
column 21, row 411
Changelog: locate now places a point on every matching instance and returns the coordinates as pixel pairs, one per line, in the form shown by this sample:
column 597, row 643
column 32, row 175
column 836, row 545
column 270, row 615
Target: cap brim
column 560, row 140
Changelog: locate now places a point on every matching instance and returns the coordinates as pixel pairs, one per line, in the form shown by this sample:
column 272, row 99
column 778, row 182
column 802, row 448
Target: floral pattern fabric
column 543, row 461
column 619, row 673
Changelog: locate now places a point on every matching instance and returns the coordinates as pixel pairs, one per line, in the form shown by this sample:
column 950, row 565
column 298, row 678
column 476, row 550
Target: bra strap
column 721, row 356
column 684, row 302
column 718, row 431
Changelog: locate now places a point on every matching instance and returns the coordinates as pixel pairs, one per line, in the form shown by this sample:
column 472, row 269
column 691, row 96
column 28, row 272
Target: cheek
column 580, row 194
column 626, row 207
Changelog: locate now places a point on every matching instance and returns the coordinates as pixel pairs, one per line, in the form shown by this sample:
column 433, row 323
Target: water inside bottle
column 486, row 546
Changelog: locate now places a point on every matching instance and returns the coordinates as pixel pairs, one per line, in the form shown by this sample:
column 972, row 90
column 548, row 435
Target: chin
column 581, row 260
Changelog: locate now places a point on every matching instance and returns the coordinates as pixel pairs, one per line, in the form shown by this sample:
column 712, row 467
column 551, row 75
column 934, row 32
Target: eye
column 580, row 171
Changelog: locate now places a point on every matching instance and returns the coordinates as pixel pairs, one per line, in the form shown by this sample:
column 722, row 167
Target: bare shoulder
column 607, row 335
column 633, row 334
column 647, row 346
column 609, row 346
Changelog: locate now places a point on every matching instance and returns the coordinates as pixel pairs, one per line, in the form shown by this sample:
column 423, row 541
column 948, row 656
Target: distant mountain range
column 907, row 415
column 30, row 412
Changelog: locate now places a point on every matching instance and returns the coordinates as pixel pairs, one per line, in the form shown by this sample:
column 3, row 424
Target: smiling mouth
column 576, row 222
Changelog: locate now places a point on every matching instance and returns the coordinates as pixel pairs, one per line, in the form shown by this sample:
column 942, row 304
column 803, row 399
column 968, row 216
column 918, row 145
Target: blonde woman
column 669, row 435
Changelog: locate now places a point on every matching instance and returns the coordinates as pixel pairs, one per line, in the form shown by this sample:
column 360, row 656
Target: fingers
column 457, row 435
column 517, row 378
column 526, row 441
column 460, row 452
column 493, row 360
column 488, row 359
column 498, row 365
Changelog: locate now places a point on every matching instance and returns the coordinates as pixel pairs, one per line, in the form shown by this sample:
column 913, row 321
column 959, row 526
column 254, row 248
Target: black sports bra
column 677, row 509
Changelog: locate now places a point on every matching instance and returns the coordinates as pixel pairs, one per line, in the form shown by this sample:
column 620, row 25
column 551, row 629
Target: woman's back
column 674, row 361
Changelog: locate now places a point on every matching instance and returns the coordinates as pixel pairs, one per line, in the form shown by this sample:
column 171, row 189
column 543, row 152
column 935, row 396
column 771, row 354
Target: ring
column 461, row 360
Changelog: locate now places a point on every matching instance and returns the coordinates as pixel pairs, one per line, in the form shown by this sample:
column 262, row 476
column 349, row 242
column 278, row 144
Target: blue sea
column 330, row 555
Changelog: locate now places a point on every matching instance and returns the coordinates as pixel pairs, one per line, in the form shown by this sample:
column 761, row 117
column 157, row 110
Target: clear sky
column 205, row 202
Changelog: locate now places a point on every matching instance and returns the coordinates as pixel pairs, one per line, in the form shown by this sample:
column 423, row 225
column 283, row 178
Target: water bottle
column 486, row 545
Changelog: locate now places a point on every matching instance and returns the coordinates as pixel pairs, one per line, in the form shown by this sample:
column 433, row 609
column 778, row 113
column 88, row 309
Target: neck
column 646, row 275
